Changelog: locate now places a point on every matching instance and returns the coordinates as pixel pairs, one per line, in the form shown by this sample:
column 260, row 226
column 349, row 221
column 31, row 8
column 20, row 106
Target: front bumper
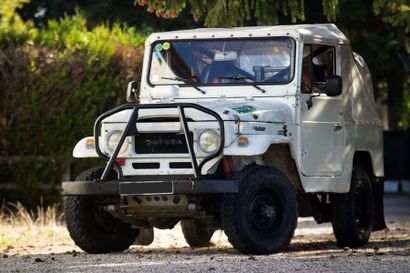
column 124, row 188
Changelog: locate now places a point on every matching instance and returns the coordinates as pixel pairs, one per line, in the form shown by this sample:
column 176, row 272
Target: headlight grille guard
column 131, row 128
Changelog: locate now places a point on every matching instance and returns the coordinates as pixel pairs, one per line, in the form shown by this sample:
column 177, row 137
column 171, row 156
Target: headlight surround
column 113, row 138
column 209, row 141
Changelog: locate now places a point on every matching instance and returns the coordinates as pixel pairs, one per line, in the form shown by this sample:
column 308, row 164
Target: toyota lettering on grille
column 160, row 142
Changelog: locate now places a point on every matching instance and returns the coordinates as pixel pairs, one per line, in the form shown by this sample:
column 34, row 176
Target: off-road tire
column 83, row 220
column 196, row 233
column 353, row 212
column 145, row 237
column 262, row 217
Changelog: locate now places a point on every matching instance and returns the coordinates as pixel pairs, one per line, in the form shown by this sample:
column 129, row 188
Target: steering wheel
column 215, row 71
column 240, row 75
column 281, row 76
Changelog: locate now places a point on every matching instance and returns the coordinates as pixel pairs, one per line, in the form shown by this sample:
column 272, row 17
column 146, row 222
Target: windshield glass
column 234, row 61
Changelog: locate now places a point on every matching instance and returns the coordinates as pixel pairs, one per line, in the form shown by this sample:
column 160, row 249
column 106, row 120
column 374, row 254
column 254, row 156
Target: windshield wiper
column 243, row 79
column 185, row 81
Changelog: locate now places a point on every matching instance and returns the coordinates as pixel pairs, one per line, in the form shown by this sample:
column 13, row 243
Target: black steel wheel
column 265, row 211
column 90, row 226
column 353, row 212
column 262, row 217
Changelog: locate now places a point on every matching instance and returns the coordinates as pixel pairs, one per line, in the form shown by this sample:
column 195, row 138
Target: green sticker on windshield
column 244, row 109
column 158, row 47
column 157, row 55
column 166, row 46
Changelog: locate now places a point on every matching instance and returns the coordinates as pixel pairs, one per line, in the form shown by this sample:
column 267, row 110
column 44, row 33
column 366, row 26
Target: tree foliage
column 107, row 11
column 395, row 12
column 237, row 12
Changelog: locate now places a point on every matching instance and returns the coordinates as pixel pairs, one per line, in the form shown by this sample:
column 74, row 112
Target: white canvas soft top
column 309, row 32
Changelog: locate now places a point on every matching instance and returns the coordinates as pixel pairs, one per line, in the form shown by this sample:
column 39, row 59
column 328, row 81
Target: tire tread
column 196, row 233
column 343, row 219
column 82, row 228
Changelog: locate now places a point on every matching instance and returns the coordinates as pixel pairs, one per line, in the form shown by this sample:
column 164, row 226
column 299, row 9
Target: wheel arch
column 284, row 163
column 279, row 156
column 364, row 160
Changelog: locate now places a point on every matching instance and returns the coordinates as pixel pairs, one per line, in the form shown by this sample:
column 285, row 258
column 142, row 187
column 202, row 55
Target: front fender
column 257, row 144
column 85, row 148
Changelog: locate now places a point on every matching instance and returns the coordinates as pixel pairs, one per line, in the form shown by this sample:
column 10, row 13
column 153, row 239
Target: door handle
column 337, row 127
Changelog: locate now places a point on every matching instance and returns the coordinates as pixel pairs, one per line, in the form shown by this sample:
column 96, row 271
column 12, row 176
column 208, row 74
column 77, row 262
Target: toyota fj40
column 241, row 129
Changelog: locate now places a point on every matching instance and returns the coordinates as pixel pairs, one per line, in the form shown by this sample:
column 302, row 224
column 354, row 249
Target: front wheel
column 90, row 226
column 261, row 218
column 353, row 212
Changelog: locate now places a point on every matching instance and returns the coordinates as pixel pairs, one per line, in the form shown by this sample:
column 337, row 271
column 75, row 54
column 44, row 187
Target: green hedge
column 54, row 82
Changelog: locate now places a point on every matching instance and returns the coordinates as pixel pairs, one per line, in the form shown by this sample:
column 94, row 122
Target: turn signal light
column 90, row 143
column 243, row 142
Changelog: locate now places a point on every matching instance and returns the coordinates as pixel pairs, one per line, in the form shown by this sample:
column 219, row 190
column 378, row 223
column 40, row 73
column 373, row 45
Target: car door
column 321, row 116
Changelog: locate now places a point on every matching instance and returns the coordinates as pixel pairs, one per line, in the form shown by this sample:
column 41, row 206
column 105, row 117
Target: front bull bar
column 197, row 184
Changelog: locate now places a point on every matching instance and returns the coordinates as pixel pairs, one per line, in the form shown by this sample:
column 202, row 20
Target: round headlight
column 112, row 141
column 209, row 141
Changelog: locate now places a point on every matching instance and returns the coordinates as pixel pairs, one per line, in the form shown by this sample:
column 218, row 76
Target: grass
column 16, row 214
column 20, row 226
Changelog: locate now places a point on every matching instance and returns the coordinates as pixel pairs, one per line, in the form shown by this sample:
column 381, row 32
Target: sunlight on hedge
column 54, row 82
column 12, row 27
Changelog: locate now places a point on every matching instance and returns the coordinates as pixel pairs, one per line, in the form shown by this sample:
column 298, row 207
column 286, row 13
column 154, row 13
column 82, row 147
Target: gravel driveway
column 313, row 249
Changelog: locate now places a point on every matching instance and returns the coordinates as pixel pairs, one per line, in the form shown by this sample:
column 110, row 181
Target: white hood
column 252, row 111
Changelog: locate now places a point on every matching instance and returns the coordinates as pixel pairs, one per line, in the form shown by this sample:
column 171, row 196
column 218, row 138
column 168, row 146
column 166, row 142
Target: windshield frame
column 239, row 83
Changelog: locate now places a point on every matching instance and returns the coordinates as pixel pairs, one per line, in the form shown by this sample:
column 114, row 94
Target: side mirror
column 333, row 86
column 132, row 90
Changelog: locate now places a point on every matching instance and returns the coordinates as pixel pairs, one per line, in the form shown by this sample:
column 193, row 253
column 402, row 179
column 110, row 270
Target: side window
column 323, row 62
column 318, row 64
column 306, row 81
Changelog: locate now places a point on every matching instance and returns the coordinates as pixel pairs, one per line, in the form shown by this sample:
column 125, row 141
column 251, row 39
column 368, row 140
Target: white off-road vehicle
column 241, row 129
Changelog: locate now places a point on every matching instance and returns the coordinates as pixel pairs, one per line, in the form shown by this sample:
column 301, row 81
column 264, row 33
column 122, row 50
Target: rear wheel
column 196, row 233
column 145, row 237
column 90, row 226
column 262, row 217
column 353, row 212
